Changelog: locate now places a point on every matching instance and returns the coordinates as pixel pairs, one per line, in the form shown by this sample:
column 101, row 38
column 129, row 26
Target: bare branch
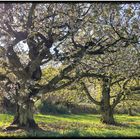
column 88, row 94
column 30, row 16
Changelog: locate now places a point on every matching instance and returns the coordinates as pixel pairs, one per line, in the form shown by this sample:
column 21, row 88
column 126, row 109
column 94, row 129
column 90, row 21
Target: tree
column 19, row 25
column 114, row 71
column 34, row 36
column 118, row 65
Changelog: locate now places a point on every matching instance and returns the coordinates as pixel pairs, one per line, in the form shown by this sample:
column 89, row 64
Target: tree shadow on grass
column 127, row 125
column 72, row 134
column 43, row 133
column 81, row 134
column 18, row 132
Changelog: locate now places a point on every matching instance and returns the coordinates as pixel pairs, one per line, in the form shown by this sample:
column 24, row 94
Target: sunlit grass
column 84, row 125
column 5, row 119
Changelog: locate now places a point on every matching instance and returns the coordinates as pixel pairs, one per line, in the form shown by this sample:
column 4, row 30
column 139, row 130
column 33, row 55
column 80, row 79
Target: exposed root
column 17, row 127
column 11, row 128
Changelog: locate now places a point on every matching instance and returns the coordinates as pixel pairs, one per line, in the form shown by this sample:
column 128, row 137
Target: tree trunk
column 130, row 111
column 105, row 108
column 24, row 115
column 107, row 115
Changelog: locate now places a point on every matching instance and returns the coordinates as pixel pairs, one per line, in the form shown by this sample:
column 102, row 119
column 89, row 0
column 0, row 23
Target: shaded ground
column 85, row 125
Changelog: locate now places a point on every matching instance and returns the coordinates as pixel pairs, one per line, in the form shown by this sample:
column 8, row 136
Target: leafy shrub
column 124, row 109
column 47, row 107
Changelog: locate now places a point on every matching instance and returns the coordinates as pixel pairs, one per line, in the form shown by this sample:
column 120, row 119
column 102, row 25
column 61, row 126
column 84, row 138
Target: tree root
column 11, row 128
column 17, row 127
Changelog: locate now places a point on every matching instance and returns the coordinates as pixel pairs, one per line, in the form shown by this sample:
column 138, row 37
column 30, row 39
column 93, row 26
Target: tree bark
column 105, row 107
column 130, row 111
column 107, row 115
column 24, row 115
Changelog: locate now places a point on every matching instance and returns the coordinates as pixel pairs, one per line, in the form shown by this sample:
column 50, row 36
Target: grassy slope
column 86, row 125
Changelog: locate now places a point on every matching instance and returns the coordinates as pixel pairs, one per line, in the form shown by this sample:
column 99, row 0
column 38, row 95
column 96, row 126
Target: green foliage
column 49, row 107
column 130, row 102
column 48, row 73
column 64, row 107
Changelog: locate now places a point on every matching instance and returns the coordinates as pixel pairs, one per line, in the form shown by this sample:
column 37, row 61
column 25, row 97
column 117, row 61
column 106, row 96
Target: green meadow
column 68, row 126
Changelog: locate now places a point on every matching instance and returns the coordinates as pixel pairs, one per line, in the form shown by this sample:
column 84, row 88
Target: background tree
column 115, row 64
column 113, row 71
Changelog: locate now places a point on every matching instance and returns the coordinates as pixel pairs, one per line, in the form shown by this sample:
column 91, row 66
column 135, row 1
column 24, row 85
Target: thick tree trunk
column 24, row 115
column 105, row 108
column 107, row 115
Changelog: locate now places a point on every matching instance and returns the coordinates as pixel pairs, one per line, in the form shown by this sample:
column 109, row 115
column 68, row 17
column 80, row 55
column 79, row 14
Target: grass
column 68, row 126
